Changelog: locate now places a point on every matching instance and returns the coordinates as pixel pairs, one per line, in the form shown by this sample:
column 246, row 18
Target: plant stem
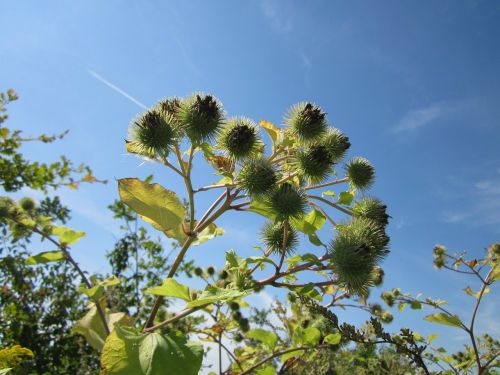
column 338, row 181
column 334, row 205
column 277, row 354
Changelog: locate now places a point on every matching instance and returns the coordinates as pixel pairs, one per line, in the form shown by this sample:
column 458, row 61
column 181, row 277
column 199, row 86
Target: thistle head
column 239, row 138
column 314, row 162
column 373, row 209
column 378, row 276
column 152, row 133
column 202, row 117
column 360, row 172
column 308, row 121
column 27, row 204
column 287, row 202
column 6, row 206
column 337, row 144
column 273, row 236
column 258, row 177
column 355, row 252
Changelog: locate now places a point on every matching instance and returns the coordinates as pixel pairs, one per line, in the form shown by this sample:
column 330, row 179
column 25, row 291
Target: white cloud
column 419, row 118
column 277, row 21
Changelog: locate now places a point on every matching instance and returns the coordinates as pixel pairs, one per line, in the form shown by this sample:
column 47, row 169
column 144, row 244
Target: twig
column 338, row 181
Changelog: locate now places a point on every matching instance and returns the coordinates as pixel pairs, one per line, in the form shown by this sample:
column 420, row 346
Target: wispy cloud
column 116, row 88
column 277, row 20
column 419, row 118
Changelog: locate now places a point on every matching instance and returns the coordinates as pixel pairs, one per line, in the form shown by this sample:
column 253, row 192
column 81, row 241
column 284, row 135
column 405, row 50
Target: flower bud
column 308, row 121
column 151, row 134
column 273, row 235
column 235, row 306
column 494, row 250
column 373, row 209
column 202, row 117
column 386, row 317
column 286, row 201
column 198, row 271
column 378, row 276
column 314, row 162
column 336, row 143
column 27, row 204
column 257, row 177
column 239, row 139
column 210, row 270
column 360, row 172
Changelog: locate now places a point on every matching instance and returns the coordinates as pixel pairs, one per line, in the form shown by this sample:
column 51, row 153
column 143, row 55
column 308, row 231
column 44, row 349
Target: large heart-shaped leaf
column 127, row 352
column 155, row 204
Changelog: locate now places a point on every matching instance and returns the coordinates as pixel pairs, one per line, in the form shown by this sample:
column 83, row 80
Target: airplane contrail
column 115, row 88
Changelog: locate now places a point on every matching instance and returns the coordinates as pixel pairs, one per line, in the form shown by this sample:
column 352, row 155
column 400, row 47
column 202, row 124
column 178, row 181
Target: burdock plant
column 360, row 172
column 201, row 116
column 151, row 134
column 307, row 121
column 239, row 139
column 273, row 235
column 258, row 177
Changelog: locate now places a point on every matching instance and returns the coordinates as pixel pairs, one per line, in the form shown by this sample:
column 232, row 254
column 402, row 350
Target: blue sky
column 415, row 85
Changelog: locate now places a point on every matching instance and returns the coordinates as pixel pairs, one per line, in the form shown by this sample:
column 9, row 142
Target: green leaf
column 469, row 291
column 267, row 338
column 333, row 338
column 270, row 129
column 442, row 318
column 95, row 293
column 213, row 294
column 268, row 370
column 415, row 305
column 171, row 288
column 207, row 234
column 328, row 193
column 91, row 327
column 311, row 336
column 110, row 281
column 432, row 337
column 309, row 224
column 233, row 260
column 45, row 257
column 346, row 197
column 261, row 208
column 66, row 235
column 295, row 353
column 154, row 204
column 310, row 291
column 401, row 306
column 126, row 352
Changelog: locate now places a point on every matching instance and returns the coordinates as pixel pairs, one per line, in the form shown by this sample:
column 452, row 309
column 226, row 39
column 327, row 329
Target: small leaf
column 310, row 291
column 45, row 257
column 270, row 129
column 432, row 337
column 66, row 235
column 346, row 197
column 328, row 193
column 267, row 338
column 401, row 306
column 333, row 338
column 415, row 305
column 442, row 318
column 469, row 291
column 171, row 288
column 233, row 260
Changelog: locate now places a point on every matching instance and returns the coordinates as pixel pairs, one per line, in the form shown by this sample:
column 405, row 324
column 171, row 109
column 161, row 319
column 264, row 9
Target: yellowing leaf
column 66, row 235
column 442, row 318
column 10, row 357
column 270, row 129
column 45, row 257
column 155, row 204
column 213, row 294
